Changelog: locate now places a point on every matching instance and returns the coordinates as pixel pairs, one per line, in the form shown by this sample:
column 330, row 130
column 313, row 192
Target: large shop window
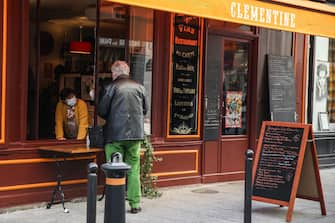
column 62, row 55
column 324, row 85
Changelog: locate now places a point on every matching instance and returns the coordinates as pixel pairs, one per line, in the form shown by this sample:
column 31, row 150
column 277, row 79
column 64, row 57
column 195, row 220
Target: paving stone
column 201, row 203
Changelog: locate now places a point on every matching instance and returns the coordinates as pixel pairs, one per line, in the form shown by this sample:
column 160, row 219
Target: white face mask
column 71, row 102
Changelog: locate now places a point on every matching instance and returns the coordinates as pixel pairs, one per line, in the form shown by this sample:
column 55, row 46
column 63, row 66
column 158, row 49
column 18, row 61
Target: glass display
column 62, row 55
column 323, row 97
column 235, row 87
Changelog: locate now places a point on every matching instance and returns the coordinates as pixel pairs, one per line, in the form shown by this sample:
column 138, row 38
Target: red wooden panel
column 175, row 162
column 233, row 154
column 41, row 172
column 210, row 157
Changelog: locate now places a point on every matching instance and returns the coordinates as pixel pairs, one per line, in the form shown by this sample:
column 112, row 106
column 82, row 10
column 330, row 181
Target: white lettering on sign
column 254, row 13
column 246, row 12
column 268, row 16
column 262, row 15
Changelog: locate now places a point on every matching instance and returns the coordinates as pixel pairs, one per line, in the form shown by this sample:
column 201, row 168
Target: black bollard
column 91, row 193
column 115, row 172
column 248, row 185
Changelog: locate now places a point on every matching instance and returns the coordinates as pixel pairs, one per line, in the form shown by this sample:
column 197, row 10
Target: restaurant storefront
column 204, row 69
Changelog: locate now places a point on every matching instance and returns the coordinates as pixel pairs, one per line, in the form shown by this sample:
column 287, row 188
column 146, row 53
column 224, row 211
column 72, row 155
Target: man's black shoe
column 135, row 210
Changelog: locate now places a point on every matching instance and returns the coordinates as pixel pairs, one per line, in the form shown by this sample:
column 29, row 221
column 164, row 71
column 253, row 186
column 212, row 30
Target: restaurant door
column 226, row 107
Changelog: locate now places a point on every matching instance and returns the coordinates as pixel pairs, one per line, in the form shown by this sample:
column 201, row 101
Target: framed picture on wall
column 87, row 84
column 321, row 79
column 323, row 121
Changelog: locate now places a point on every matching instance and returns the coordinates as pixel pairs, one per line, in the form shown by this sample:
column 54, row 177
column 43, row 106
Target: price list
column 282, row 88
column 277, row 162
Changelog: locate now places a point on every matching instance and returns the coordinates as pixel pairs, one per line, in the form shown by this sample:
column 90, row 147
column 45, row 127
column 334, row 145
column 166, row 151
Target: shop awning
column 302, row 16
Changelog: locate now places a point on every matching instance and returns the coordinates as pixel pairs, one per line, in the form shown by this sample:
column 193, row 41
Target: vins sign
column 184, row 77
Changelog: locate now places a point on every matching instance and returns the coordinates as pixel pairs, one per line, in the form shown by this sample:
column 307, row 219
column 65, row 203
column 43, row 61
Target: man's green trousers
column 130, row 151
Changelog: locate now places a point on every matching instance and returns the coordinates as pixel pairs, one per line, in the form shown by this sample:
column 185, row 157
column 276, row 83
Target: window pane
column 61, row 55
column 126, row 33
column 322, row 74
column 234, row 104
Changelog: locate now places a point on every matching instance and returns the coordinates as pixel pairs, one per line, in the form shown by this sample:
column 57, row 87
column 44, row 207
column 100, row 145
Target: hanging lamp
column 80, row 47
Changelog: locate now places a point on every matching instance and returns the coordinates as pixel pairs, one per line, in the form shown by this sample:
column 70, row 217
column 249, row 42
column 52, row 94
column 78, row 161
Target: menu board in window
column 282, row 88
column 286, row 166
column 183, row 115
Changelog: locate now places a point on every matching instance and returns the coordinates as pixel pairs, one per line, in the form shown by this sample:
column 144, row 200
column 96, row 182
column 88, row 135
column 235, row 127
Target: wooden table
column 61, row 153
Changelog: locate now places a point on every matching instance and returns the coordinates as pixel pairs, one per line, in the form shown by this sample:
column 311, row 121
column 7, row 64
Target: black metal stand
column 58, row 190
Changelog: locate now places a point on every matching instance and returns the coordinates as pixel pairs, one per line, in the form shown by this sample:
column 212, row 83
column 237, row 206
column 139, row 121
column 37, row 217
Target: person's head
column 68, row 96
column 119, row 68
column 322, row 70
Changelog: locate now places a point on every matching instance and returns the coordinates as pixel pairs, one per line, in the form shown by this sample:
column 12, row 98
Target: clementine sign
column 263, row 15
column 300, row 17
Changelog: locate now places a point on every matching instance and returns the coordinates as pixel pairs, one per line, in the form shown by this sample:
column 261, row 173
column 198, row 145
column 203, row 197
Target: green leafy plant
column 148, row 182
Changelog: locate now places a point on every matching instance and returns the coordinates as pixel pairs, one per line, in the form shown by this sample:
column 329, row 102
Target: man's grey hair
column 120, row 67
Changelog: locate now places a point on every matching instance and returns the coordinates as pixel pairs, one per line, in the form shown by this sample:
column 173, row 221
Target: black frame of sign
column 185, row 76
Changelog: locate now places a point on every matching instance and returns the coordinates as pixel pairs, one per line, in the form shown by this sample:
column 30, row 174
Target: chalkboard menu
column 282, row 88
column 277, row 162
column 286, row 166
column 184, row 89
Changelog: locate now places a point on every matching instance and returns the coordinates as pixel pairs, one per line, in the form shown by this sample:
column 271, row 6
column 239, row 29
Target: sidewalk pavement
column 204, row 203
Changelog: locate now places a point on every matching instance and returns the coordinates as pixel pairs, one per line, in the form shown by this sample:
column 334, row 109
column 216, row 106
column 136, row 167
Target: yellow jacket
column 81, row 115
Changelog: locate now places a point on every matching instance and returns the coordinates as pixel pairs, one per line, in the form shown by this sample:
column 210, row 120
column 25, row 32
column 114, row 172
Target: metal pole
column 115, row 209
column 92, row 193
column 248, row 185
column 115, row 171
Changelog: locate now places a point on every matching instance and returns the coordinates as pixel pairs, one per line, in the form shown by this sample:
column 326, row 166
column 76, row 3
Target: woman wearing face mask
column 71, row 116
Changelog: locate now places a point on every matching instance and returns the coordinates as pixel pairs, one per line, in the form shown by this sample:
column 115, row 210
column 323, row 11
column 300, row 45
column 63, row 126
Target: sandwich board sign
column 286, row 166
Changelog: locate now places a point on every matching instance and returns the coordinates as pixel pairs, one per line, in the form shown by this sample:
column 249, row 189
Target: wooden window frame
column 3, row 75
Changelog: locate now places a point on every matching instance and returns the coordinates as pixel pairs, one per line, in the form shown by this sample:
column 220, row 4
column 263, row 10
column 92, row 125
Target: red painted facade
column 184, row 160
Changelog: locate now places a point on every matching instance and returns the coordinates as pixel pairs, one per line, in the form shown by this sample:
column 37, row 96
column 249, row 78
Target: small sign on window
column 323, row 121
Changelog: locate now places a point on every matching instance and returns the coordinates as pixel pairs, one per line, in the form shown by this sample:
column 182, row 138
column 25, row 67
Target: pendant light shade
column 80, row 47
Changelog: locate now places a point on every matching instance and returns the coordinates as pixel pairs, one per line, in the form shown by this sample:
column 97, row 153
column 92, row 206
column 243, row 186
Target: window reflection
column 126, row 33
column 234, row 104
column 61, row 54
column 61, row 37
column 322, row 73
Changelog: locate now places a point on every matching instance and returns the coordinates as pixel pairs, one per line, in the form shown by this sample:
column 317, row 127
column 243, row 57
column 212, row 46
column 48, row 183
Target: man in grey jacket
column 123, row 105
